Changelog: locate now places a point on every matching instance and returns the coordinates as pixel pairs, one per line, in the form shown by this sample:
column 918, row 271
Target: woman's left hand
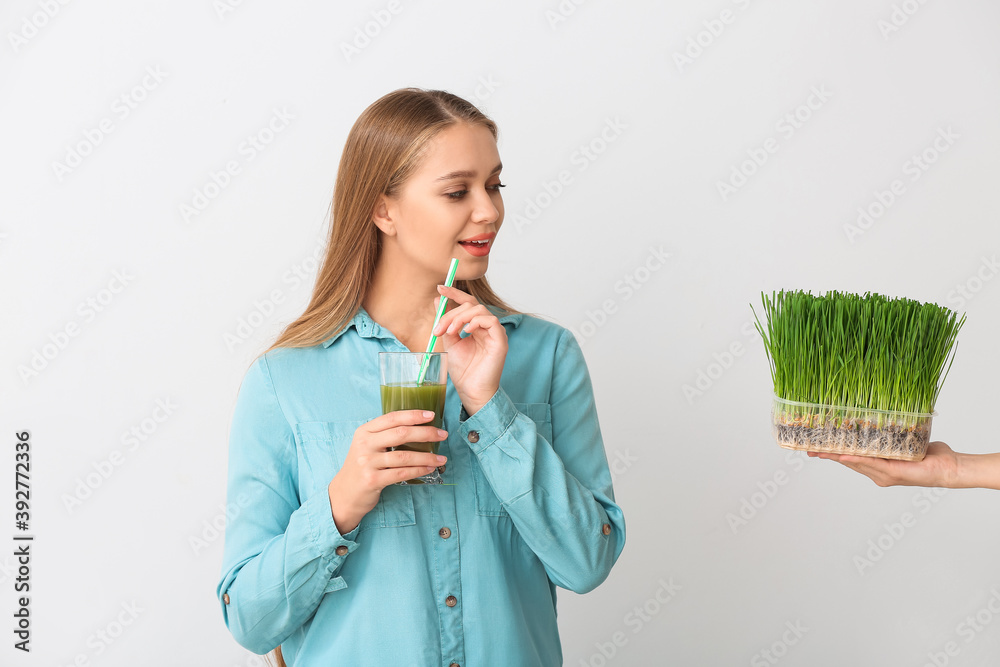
column 475, row 362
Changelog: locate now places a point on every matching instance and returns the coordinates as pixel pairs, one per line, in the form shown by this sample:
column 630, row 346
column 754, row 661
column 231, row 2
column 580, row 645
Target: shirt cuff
column 490, row 422
column 333, row 547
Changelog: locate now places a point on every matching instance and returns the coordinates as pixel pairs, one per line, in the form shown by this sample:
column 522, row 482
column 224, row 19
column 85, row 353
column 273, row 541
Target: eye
column 458, row 194
column 496, row 188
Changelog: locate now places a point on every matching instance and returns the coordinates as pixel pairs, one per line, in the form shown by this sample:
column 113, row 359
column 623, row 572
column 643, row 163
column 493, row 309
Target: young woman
column 940, row 467
column 332, row 559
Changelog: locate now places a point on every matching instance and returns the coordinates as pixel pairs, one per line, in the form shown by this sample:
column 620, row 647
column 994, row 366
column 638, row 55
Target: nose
column 487, row 209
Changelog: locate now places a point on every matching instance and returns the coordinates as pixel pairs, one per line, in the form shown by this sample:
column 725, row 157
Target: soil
column 858, row 437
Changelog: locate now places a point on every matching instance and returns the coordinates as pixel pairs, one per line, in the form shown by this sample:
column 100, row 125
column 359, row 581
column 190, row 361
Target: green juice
column 408, row 396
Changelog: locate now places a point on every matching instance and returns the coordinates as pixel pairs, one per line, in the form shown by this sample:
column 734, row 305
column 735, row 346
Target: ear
column 382, row 216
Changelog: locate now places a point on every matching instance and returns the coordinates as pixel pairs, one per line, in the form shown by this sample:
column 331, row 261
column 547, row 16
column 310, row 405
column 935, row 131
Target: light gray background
column 685, row 464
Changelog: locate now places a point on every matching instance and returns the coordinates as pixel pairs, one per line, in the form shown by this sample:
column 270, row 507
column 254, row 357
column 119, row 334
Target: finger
column 462, row 316
column 851, row 458
column 401, row 465
column 398, row 418
column 394, row 475
column 883, row 472
column 406, row 458
column 449, row 317
column 463, row 320
column 487, row 323
column 862, row 468
column 406, row 434
column 456, row 295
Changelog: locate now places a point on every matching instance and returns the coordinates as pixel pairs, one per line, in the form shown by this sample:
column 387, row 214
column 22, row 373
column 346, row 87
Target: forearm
column 274, row 592
column 346, row 514
column 575, row 529
column 281, row 554
column 575, row 534
column 978, row 471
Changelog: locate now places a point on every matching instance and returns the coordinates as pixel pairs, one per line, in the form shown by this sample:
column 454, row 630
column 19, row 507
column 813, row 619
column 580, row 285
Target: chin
column 471, row 275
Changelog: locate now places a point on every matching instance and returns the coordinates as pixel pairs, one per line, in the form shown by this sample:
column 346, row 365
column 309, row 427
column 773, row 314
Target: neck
column 405, row 301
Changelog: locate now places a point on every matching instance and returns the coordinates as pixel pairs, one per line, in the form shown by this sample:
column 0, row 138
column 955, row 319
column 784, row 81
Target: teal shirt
column 433, row 575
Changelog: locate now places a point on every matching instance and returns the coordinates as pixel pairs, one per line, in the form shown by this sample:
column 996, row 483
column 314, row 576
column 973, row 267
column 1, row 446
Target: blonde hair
column 383, row 149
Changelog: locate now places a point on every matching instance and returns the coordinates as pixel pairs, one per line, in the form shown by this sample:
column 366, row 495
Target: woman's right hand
column 369, row 467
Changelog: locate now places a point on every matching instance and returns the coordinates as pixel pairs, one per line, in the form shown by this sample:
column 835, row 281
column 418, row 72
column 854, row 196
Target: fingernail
column 428, row 414
column 442, row 459
column 443, row 434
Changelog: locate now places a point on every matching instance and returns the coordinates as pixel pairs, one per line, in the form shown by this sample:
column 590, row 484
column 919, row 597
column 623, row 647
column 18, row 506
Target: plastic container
column 837, row 429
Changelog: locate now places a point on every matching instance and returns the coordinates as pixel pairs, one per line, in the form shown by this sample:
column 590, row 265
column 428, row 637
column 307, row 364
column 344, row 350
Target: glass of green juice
column 399, row 372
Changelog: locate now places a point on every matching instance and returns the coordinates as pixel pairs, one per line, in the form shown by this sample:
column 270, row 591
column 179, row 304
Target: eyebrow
column 467, row 174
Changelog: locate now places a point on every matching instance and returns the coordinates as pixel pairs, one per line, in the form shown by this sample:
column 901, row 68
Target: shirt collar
column 369, row 328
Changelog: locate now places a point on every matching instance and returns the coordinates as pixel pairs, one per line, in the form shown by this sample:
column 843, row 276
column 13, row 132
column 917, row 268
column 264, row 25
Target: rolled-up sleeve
column 281, row 555
column 558, row 494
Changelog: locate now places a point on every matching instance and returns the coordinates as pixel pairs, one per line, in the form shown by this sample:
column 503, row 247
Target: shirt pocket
column 322, row 448
column 487, row 502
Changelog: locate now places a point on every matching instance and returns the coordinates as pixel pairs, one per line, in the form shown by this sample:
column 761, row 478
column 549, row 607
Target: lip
column 480, row 251
column 481, row 237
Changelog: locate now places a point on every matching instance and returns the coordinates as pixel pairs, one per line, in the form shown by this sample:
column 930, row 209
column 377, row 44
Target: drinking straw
column 441, row 306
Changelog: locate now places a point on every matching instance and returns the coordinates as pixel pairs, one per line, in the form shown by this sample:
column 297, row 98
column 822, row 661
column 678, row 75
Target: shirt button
column 444, row 533
column 473, row 436
column 225, row 598
column 441, row 468
column 451, row 600
column 341, row 550
column 606, row 529
column 454, row 664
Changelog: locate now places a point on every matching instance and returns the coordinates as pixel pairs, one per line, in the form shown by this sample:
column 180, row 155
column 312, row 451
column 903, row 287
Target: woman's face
column 451, row 198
